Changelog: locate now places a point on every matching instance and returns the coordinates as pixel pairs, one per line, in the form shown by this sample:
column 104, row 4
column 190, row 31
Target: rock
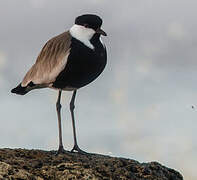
column 22, row 164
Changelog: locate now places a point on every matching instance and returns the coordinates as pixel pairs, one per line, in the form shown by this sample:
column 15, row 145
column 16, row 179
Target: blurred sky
column 141, row 105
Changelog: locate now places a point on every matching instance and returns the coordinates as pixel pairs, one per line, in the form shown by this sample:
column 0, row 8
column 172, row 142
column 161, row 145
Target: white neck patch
column 82, row 34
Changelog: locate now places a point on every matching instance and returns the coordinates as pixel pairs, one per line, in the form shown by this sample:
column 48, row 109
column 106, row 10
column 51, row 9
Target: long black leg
column 72, row 107
column 58, row 108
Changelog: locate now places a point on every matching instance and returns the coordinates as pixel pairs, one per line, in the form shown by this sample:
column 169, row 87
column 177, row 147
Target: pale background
column 140, row 107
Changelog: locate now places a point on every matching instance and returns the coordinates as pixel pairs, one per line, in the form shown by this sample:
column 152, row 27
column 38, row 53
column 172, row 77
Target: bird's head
column 86, row 26
column 90, row 22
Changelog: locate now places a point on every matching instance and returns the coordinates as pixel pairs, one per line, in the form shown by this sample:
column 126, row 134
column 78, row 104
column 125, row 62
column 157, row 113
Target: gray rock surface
column 21, row 164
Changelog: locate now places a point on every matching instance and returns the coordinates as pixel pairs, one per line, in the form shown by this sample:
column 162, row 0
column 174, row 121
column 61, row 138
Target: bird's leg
column 58, row 107
column 72, row 107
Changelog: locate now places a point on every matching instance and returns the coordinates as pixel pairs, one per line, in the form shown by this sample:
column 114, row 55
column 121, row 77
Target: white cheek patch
column 82, row 34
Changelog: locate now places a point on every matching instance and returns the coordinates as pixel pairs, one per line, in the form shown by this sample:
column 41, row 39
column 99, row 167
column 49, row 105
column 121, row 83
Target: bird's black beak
column 100, row 31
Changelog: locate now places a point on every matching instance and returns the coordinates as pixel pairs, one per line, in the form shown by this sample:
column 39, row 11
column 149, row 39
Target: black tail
column 20, row 90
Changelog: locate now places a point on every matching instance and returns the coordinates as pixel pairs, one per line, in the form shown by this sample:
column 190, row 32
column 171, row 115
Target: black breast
column 84, row 64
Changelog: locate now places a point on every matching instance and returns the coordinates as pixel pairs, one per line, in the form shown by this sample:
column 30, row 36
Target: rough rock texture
column 22, row 164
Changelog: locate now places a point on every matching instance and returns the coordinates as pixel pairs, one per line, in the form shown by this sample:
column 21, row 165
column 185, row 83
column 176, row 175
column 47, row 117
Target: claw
column 61, row 150
column 77, row 149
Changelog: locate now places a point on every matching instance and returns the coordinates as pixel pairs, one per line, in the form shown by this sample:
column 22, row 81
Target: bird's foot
column 60, row 150
column 77, row 149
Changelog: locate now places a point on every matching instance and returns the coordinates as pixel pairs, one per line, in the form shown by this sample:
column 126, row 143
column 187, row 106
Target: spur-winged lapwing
column 68, row 62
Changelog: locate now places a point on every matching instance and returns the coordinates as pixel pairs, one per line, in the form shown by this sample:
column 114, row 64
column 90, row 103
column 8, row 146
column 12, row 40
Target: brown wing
column 50, row 62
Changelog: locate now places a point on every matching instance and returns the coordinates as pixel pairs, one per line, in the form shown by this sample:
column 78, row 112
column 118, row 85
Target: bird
column 68, row 62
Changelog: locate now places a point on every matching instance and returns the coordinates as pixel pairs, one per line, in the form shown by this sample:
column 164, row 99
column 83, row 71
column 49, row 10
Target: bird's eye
column 86, row 25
